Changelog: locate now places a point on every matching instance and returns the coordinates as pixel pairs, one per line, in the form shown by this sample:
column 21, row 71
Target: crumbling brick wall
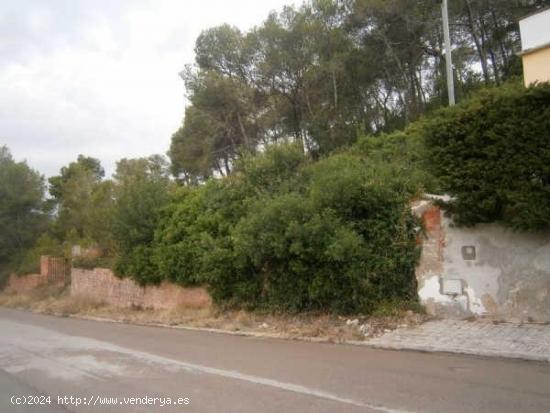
column 53, row 270
column 25, row 283
column 102, row 285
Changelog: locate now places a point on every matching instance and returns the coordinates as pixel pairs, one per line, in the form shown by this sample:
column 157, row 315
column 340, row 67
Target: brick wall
column 52, row 270
column 101, row 284
column 434, row 242
column 24, row 283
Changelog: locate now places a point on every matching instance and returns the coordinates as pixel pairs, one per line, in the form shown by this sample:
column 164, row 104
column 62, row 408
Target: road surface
column 99, row 363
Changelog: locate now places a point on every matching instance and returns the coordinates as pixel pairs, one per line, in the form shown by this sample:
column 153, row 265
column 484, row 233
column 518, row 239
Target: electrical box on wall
column 451, row 286
column 469, row 252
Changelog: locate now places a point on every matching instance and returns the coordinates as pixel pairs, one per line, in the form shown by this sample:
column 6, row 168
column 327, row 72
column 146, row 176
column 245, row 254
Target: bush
column 273, row 171
column 137, row 262
column 29, row 262
column 179, row 239
column 285, row 234
column 141, row 190
column 89, row 263
column 200, row 220
column 492, row 155
column 399, row 159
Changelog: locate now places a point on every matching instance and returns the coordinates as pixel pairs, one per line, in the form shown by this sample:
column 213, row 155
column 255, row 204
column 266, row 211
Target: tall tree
column 78, row 195
column 22, row 217
column 329, row 70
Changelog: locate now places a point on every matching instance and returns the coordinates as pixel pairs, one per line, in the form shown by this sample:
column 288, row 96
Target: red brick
column 24, row 283
column 102, row 285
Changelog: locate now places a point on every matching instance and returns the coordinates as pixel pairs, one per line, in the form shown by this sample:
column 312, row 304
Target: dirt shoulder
column 319, row 327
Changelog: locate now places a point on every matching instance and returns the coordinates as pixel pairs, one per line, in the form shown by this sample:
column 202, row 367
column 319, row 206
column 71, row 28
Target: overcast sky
column 100, row 77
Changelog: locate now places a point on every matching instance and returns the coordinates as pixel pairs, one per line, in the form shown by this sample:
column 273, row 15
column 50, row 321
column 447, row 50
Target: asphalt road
column 96, row 362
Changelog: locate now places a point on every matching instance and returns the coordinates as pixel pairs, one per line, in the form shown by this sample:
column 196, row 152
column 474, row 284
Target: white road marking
column 24, row 347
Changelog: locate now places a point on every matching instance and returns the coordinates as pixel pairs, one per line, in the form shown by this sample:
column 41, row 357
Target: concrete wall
column 535, row 46
column 102, row 285
column 536, row 66
column 487, row 270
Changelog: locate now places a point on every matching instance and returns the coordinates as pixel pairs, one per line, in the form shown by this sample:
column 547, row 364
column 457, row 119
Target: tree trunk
column 498, row 28
column 243, row 131
column 335, row 89
column 479, row 48
column 485, row 44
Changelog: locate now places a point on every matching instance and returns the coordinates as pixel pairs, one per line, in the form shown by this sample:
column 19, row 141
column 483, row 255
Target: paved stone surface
column 481, row 337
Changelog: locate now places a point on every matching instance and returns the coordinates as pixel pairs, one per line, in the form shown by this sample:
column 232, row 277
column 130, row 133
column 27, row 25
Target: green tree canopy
column 326, row 72
column 81, row 200
column 22, row 216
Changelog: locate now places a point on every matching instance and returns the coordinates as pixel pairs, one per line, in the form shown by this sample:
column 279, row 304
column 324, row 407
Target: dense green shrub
column 179, row 239
column 29, row 261
column 138, row 262
column 492, row 154
column 141, row 190
column 286, row 234
column 273, row 171
column 400, row 159
column 89, row 263
column 200, row 220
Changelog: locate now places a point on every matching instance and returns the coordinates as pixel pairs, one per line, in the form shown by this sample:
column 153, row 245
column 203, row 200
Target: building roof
column 535, row 30
column 535, row 12
column 534, row 49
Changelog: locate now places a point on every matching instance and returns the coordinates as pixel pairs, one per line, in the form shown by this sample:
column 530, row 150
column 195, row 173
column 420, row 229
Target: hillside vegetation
column 290, row 181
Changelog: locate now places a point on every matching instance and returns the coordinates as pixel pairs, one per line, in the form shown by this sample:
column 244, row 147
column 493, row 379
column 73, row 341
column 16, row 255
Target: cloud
column 101, row 77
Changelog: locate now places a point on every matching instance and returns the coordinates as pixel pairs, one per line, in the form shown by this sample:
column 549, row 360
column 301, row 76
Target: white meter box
column 451, row 286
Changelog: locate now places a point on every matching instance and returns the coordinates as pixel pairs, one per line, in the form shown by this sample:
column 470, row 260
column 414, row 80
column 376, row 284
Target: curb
column 198, row 329
column 457, row 350
column 394, row 347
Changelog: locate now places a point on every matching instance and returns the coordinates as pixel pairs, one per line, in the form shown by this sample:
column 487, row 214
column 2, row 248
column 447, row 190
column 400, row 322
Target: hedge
column 287, row 234
column 492, row 155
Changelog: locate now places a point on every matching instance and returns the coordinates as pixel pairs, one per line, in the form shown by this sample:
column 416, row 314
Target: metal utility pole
column 448, row 53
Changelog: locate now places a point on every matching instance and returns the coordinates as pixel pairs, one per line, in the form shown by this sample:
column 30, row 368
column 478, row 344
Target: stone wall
column 486, row 270
column 102, row 285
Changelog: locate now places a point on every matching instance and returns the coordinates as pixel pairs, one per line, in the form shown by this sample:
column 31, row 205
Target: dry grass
column 50, row 299
column 58, row 301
